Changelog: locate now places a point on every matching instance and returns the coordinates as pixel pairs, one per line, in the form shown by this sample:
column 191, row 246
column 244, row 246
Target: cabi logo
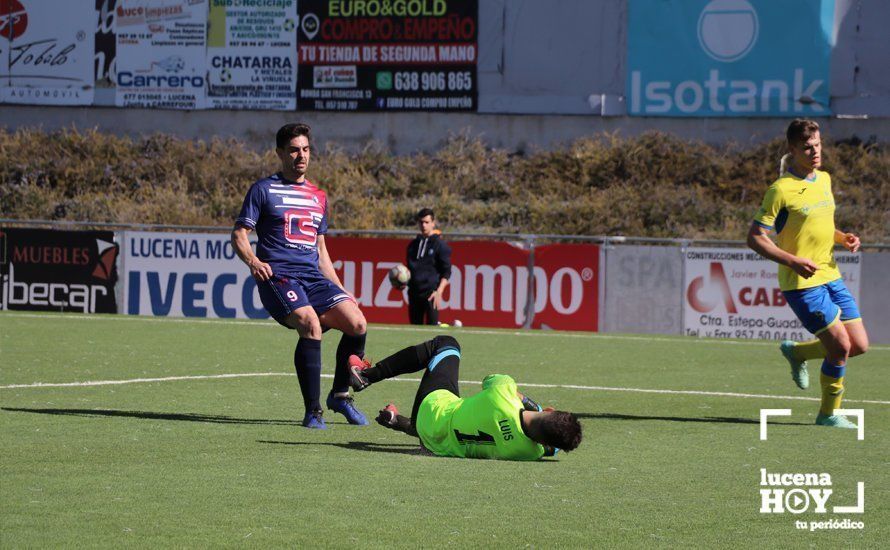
column 729, row 57
column 705, row 297
column 13, row 19
column 704, row 294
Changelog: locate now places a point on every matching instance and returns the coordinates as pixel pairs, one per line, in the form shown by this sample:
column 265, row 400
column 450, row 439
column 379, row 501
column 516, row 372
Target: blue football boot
column 345, row 406
column 314, row 420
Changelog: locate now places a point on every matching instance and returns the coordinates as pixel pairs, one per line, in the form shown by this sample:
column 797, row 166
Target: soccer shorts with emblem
column 821, row 306
column 287, row 292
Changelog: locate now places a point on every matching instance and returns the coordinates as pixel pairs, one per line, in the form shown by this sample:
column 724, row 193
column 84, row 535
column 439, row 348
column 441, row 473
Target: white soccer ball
column 399, row 276
column 457, row 323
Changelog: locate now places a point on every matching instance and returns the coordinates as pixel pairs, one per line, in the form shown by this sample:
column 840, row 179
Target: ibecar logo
column 13, row 19
column 727, row 29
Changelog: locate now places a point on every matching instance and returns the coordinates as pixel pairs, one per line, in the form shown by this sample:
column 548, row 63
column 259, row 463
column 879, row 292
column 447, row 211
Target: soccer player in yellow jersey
column 498, row 422
column 799, row 206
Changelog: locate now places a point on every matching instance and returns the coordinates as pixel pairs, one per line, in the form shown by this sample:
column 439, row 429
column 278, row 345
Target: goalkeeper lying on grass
column 498, row 422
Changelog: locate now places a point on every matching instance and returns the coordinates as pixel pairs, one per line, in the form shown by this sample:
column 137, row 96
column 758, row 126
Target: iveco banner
column 729, row 58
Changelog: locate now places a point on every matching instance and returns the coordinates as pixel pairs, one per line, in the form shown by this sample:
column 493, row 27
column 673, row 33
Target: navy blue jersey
column 287, row 216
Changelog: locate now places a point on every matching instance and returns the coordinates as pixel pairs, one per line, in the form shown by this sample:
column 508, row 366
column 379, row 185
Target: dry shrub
column 655, row 185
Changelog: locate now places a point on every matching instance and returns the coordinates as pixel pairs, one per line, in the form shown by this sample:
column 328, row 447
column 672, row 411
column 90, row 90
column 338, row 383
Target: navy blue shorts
column 287, row 292
column 821, row 306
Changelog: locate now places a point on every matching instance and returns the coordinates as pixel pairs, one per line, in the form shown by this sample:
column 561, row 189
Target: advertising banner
column 734, row 293
column 46, row 48
column 161, row 54
column 46, row 270
column 643, row 286
column 252, row 55
column 185, row 275
column 388, row 55
column 729, row 58
column 181, row 275
column 489, row 285
column 106, row 43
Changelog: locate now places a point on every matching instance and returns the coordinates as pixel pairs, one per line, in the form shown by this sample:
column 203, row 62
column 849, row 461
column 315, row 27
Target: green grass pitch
column 213, row 461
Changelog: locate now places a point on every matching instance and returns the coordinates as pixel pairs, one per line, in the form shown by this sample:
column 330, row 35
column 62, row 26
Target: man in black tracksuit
column 429, row 261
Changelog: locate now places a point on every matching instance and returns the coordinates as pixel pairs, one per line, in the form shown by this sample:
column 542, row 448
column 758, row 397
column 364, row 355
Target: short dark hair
column 424, row 212
column 800, row 130
column 290, row 131
column 560, row 429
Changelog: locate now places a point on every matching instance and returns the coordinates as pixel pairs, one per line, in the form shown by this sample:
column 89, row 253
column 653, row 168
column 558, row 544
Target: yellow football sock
column 832, row 393
column 807, row 351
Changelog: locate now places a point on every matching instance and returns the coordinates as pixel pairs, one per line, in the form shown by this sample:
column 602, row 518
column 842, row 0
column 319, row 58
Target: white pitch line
column 529, row 333
column 524, row 384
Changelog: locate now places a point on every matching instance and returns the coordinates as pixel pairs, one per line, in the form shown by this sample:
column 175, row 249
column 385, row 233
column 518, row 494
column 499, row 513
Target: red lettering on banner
column 491, row 284
column 52, row 255
column 761, row 297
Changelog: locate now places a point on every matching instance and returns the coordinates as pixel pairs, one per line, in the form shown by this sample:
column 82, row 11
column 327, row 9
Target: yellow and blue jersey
column 801, row 211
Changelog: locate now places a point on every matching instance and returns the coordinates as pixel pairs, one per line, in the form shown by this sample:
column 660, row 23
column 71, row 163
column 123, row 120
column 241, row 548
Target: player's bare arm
column 759, row 241
column 325, row 265
column 260, row 270
column 850, row 241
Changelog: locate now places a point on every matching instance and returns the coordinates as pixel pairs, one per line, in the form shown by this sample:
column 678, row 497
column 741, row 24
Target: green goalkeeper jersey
column 486, row 425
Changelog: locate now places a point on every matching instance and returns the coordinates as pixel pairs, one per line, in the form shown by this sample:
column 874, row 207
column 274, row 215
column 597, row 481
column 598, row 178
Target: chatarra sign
column 44, row 270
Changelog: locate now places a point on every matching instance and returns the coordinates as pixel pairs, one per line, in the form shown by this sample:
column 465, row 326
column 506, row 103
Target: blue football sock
column 307, row 362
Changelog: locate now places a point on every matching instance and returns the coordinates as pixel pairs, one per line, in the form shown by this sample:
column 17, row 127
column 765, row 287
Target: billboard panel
column 47, row 51
column 734, row 293
column 47, row 270
column 252, row 55
column 161, row 54
column 729, row 58
column 388, row 56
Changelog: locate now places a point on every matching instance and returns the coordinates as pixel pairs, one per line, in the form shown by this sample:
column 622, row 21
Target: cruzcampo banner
column 729, row 58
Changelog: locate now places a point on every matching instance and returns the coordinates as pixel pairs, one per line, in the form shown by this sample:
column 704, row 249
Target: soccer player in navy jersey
column 295, row 277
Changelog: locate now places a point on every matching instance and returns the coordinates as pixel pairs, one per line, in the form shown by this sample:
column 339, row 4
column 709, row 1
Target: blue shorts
column 287, row 292
column 821, row 306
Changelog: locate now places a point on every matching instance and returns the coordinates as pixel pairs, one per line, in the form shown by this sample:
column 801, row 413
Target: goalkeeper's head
column 558, row 429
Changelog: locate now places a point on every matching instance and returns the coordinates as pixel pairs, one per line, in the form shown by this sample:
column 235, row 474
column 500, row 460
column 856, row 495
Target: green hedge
column 655, row 185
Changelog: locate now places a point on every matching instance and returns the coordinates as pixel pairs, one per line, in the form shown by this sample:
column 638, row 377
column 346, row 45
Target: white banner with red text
column 734, row 293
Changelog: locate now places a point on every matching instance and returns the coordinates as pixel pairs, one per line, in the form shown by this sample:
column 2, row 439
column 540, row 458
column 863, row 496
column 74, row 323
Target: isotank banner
column 729, row 58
